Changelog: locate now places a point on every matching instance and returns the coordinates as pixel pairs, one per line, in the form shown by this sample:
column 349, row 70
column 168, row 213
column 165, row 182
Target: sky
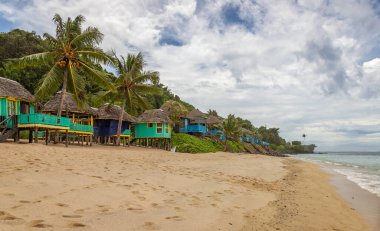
column 306, row 67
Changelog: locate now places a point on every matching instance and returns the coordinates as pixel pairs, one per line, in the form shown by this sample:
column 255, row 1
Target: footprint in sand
column 75, row 225
column 24, row 201
column 137, row 210
column 38, row 224
column 62, row 205
column 71, row 216
column 150, row 226
column 7, row 217
column 175, row 218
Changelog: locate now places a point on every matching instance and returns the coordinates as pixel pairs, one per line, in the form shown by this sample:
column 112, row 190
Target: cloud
column 305, row 66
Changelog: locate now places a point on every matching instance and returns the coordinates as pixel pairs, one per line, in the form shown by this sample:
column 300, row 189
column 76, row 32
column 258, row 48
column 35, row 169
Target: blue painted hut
column 214, row 127
column 152, row 128
column 106, row 123
column 195, row 123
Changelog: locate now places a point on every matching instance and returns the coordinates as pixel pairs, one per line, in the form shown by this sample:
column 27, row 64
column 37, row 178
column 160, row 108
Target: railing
column 193, row 128
column 81, row 127
column 43, row 119
column 127, row 132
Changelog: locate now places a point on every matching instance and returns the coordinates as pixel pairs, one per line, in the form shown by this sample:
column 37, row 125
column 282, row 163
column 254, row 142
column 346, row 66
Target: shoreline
column 367, row 203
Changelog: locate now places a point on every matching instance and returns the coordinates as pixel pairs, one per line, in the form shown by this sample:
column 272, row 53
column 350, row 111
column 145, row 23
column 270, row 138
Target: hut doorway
column 11, row 107
column 24, row 108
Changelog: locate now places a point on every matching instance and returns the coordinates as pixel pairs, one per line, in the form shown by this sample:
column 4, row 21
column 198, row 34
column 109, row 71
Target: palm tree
column 71, row 54
column 231, row 128
column 304, row 137
column 132, row 84
column 175, row 111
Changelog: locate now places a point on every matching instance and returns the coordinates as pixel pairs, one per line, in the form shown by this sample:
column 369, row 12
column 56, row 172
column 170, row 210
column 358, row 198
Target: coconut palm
column 71, row 54
column 304, row 137
column 132, row 84
column 175, row 110
column 231, row 128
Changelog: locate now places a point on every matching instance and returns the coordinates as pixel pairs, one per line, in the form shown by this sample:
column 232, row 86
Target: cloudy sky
column 308, row 67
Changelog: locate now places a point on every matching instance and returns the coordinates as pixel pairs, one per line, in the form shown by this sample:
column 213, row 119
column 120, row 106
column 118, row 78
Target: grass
column 191, row 144
column 233, row 146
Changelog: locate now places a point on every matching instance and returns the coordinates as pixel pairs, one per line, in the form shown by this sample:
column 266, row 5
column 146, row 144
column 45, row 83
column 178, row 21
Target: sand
column 114, row 188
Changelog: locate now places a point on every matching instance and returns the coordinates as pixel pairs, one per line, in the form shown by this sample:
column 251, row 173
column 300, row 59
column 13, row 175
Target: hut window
column 167, row 128
column 159, row 127
column 149, row 125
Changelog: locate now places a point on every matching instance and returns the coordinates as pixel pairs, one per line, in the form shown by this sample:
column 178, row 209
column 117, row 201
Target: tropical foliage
column 192, row 144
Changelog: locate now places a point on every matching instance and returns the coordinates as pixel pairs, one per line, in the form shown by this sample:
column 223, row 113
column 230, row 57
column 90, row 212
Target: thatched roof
column 11, row 88
column 153, row 116
column 213, row 120
column 111, row 112
column 70, row 104
column 246, row 132
column 195, row 113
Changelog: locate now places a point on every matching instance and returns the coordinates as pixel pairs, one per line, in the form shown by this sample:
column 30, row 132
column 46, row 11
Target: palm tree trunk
column 63, row 95
column 120, row 122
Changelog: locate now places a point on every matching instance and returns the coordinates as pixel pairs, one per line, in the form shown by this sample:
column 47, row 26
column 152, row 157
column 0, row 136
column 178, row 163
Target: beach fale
column 17, row 112
column 81, row 118
column 152, row 128
column 106, row 123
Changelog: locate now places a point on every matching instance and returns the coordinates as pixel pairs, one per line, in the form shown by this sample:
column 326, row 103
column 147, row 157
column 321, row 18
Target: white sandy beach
column 114, row 188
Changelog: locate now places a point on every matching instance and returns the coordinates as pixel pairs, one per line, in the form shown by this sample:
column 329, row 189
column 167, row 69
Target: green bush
column 191, row 144
column 233, row 146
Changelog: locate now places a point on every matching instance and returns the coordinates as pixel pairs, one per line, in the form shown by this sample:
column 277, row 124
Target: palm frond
column 152, row 76
column 89, row 37
column 148, row 89
column 34, row 59
column 50, row 83
column 99, row 77
column 96, row 55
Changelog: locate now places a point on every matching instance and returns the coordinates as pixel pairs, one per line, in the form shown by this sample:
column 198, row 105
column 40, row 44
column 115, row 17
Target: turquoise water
column 362, row 168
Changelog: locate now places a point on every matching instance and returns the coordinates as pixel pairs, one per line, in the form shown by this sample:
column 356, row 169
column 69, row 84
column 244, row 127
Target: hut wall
column 108, row 127
column 143, row 131
column 4, row 107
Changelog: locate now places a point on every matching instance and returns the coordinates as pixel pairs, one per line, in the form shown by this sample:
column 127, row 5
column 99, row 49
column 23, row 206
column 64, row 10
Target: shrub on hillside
column 191, row 144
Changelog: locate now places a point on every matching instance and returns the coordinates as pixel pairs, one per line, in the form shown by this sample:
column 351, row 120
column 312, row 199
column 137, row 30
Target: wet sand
column 114, row 188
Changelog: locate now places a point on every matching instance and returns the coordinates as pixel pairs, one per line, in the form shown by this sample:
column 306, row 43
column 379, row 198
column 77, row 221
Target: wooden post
column 30, row 135
column 129, row 141
column 67, row 138
column 90, row 140
column 36, row 135
column 46, row 136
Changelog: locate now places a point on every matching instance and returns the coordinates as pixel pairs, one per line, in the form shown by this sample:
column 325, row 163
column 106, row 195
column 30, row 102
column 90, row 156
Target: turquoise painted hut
column 81, row 118
column 152, row 128
column 17, row 112
column 106, row 123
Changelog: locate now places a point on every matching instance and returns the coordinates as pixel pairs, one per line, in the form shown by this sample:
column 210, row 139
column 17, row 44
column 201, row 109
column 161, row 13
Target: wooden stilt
column 36, row 135
column 67, row 138
column 30, row 136
column 46, row 136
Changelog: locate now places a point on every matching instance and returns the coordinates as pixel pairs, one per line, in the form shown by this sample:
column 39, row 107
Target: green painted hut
column 17, row 112
column 152, row 128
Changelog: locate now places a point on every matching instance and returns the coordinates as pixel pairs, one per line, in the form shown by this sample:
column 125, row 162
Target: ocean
column 362, row 168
